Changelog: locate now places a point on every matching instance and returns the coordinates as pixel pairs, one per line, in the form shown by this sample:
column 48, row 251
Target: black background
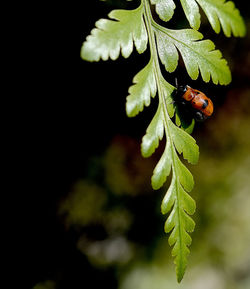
column 74, row 110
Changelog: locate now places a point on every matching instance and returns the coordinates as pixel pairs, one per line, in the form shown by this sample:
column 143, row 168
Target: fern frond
column 110, row 37
column 198, row 55
column 177, row 139
column 219, row 13
column 179, row 223
column 141, row 92
column 126, row 29
column 224, row 14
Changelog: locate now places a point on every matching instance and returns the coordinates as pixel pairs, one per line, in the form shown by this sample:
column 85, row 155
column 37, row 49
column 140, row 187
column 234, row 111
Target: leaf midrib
column 149, row 21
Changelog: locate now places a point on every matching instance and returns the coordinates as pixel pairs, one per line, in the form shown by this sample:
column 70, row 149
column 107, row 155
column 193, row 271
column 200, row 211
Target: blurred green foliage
column 45, row 285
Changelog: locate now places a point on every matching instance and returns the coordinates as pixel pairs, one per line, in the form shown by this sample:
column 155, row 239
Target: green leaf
column 184, row 175
column 110, row 37
column 176, row 201
column 225, row 14
column 180, row 223
column 171, row 221
column 169, row 198
column 197, row 55
column 164, row 8
column 188, row 224
column 185, row 144
column 186, row 125
column 155, row 130
column 167, row 52
column 192, row 13
column 177, row 118
column 219, row 13
column 140, row 93
column 154, row 133
column 168, row 96
column 163, row 168
column 187, row 203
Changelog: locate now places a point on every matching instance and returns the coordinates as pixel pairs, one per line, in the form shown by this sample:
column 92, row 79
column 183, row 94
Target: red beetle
column 202, row 106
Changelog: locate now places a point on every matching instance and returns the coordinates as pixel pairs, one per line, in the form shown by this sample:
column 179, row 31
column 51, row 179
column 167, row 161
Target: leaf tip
column 180, row 277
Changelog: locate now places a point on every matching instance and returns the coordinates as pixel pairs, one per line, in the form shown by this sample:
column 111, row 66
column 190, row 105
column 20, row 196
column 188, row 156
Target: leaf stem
column 158, row 75
column 157, row 70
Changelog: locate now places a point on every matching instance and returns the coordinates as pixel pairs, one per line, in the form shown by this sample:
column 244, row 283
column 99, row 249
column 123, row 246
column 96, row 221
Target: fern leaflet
column 219, row 13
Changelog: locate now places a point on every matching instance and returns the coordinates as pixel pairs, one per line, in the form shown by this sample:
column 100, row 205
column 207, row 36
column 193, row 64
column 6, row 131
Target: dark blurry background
column 93, row 219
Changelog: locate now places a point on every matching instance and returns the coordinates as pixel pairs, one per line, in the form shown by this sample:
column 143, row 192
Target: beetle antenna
column 176, row 82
